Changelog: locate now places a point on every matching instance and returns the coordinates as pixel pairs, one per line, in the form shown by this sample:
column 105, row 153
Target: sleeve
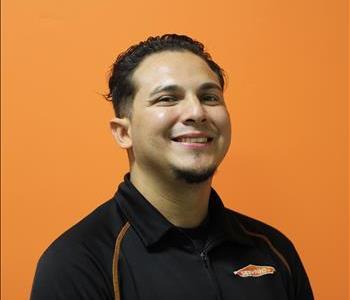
column 66, row 273
column 302, row 288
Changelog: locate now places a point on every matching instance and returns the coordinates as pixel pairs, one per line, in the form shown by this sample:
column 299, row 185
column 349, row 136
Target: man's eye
column 167, row 99
column 210, row 98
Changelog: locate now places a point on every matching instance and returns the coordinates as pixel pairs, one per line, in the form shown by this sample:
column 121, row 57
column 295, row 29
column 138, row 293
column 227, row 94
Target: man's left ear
column 121, row 131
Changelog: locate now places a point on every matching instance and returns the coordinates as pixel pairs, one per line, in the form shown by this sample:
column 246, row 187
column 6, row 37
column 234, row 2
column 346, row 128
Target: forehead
column 182, row 68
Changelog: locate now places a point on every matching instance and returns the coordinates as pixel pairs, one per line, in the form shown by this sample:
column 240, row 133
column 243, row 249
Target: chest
column 177, row 273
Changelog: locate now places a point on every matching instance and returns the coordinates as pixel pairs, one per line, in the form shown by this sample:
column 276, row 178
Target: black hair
column 121, row 87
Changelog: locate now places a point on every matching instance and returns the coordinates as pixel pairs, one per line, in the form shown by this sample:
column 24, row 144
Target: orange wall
column 287, row 94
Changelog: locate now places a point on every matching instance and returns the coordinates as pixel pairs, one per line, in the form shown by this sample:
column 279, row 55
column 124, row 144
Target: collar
column 152, row 226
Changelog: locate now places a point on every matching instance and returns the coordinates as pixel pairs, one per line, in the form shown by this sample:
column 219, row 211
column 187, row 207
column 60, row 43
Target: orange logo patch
column 254, row 271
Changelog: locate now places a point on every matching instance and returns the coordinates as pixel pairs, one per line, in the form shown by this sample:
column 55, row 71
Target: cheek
column 162, row 118
column 159, row 116
column 222, row 119
column 154, row 122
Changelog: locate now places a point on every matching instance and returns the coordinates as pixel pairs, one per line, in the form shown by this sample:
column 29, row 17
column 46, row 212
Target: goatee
column 192, row 176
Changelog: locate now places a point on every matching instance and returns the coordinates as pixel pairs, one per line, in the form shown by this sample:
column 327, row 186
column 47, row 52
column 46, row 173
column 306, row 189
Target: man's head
column 175, row 123
column 122, row 88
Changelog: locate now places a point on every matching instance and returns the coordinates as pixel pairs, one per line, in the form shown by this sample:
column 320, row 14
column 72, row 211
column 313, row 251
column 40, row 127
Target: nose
column 193, row 111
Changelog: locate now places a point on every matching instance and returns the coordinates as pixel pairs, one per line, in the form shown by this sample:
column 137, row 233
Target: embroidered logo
column 254, row 271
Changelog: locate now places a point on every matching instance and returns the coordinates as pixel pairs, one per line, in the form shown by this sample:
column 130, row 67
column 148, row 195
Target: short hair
column 121, row 88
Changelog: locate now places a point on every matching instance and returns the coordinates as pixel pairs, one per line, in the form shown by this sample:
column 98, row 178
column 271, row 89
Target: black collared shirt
column 126, row 249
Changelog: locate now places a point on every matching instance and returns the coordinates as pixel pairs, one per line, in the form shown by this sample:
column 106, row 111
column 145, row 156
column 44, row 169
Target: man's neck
column 182, row 204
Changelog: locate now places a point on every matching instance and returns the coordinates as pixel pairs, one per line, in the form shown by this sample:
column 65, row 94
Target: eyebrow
column 175, row 88
column 166, row 88
column 209, row 86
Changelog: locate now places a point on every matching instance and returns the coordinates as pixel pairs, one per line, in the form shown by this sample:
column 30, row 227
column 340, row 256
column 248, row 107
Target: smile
column 193, row 140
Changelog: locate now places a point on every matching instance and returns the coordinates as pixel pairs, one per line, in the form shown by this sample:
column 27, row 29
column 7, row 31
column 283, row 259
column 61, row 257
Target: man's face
column 180, row 126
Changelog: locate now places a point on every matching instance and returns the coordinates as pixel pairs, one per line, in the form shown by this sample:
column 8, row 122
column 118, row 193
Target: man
column 166, row 233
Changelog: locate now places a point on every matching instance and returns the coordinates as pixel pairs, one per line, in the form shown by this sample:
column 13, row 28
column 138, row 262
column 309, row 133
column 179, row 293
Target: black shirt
column 198, row 235
column 126, row 249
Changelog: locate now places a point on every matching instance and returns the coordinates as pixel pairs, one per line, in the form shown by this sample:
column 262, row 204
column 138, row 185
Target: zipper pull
column 204, row 258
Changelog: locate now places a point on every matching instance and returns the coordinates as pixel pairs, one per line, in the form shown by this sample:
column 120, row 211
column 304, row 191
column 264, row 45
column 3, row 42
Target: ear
column 121, row 132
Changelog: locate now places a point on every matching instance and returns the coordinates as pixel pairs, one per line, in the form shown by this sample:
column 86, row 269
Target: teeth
column 193, row 140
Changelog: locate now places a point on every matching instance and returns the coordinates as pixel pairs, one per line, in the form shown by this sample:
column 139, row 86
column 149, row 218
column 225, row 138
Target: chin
column 194, row 176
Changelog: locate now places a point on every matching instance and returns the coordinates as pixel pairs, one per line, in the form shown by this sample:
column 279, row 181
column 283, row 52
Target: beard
column 192, row 176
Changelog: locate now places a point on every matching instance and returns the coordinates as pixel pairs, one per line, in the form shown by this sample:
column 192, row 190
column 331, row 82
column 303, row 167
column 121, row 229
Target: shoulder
column 80, row 259
column 97, row 229
column 280, row 247
column 260, row 231
column 269, row 238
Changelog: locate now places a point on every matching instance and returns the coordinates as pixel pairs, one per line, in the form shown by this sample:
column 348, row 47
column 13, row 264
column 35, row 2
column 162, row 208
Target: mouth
column 193, row 140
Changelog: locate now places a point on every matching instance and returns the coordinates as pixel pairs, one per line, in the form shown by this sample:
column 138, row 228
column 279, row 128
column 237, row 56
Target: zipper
column 205, row 260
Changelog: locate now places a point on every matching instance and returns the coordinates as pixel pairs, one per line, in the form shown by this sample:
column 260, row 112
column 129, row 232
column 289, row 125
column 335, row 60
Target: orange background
column 287, row 95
